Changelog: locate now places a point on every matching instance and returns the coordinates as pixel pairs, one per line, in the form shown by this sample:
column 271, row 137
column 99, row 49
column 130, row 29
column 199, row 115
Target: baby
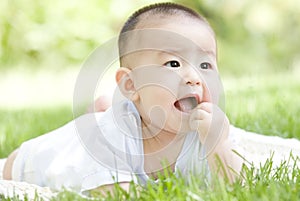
column 170, row 118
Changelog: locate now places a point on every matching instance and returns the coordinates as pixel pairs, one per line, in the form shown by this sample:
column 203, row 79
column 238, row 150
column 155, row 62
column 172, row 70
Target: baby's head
column 156, row 16
column 168, row 63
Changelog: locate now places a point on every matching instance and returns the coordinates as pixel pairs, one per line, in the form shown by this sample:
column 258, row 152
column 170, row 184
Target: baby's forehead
column 170, row 31
column 161, row 40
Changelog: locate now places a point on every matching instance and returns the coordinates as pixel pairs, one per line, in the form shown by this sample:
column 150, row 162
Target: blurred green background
column 253, row 35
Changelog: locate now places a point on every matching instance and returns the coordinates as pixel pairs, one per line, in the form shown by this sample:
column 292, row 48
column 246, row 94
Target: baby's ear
column 126, row 83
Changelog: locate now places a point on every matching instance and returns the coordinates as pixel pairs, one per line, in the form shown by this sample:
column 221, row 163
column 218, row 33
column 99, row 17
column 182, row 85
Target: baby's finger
column 197, row 118
column 199, row 114
column 194, row 124
column 208, row 107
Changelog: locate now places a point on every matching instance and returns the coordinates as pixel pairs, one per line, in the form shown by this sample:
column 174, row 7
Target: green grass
column 265, row 104
column 18, row 126
column 268, row 105
column 262, row 185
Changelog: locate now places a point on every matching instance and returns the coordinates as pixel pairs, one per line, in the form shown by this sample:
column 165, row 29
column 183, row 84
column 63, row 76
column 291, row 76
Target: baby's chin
column 183, row 127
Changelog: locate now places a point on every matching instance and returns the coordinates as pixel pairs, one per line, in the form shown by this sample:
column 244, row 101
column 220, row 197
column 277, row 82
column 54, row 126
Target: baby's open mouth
column 186, row 104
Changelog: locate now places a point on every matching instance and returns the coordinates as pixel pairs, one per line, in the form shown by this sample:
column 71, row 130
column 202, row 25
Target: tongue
column 186, row 104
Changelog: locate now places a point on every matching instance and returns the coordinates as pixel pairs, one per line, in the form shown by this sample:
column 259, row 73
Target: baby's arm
column 213, row 128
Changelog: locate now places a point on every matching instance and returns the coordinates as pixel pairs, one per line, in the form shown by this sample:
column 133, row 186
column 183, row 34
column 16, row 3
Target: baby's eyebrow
column 179, row 51
column 171, row 50
column 209, row 52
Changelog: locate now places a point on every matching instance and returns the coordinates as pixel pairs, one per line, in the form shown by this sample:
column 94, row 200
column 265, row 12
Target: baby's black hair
column 168, row 8
column 158, row 9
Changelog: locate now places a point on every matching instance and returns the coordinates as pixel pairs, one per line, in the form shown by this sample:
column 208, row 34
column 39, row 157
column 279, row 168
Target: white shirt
column 98, row 149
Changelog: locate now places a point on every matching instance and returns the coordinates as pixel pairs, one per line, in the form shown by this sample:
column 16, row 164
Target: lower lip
column 182, row 112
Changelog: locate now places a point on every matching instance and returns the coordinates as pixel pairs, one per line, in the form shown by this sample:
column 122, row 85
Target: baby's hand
column 211, row 124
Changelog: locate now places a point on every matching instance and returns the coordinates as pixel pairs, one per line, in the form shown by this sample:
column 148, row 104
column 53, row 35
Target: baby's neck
column 161, row 149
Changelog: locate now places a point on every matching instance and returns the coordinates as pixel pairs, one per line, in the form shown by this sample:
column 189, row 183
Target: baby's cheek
column 213, row 88
column 160, row 98
column 207, row 96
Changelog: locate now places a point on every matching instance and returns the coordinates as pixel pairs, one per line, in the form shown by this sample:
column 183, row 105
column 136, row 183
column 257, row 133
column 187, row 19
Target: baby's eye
column 172, row 64
column 205, row 65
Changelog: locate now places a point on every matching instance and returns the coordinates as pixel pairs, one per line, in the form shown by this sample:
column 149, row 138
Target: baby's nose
column 193, row 82
column 193, row 78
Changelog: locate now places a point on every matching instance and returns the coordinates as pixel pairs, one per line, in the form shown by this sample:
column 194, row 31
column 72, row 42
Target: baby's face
column 173, row 69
